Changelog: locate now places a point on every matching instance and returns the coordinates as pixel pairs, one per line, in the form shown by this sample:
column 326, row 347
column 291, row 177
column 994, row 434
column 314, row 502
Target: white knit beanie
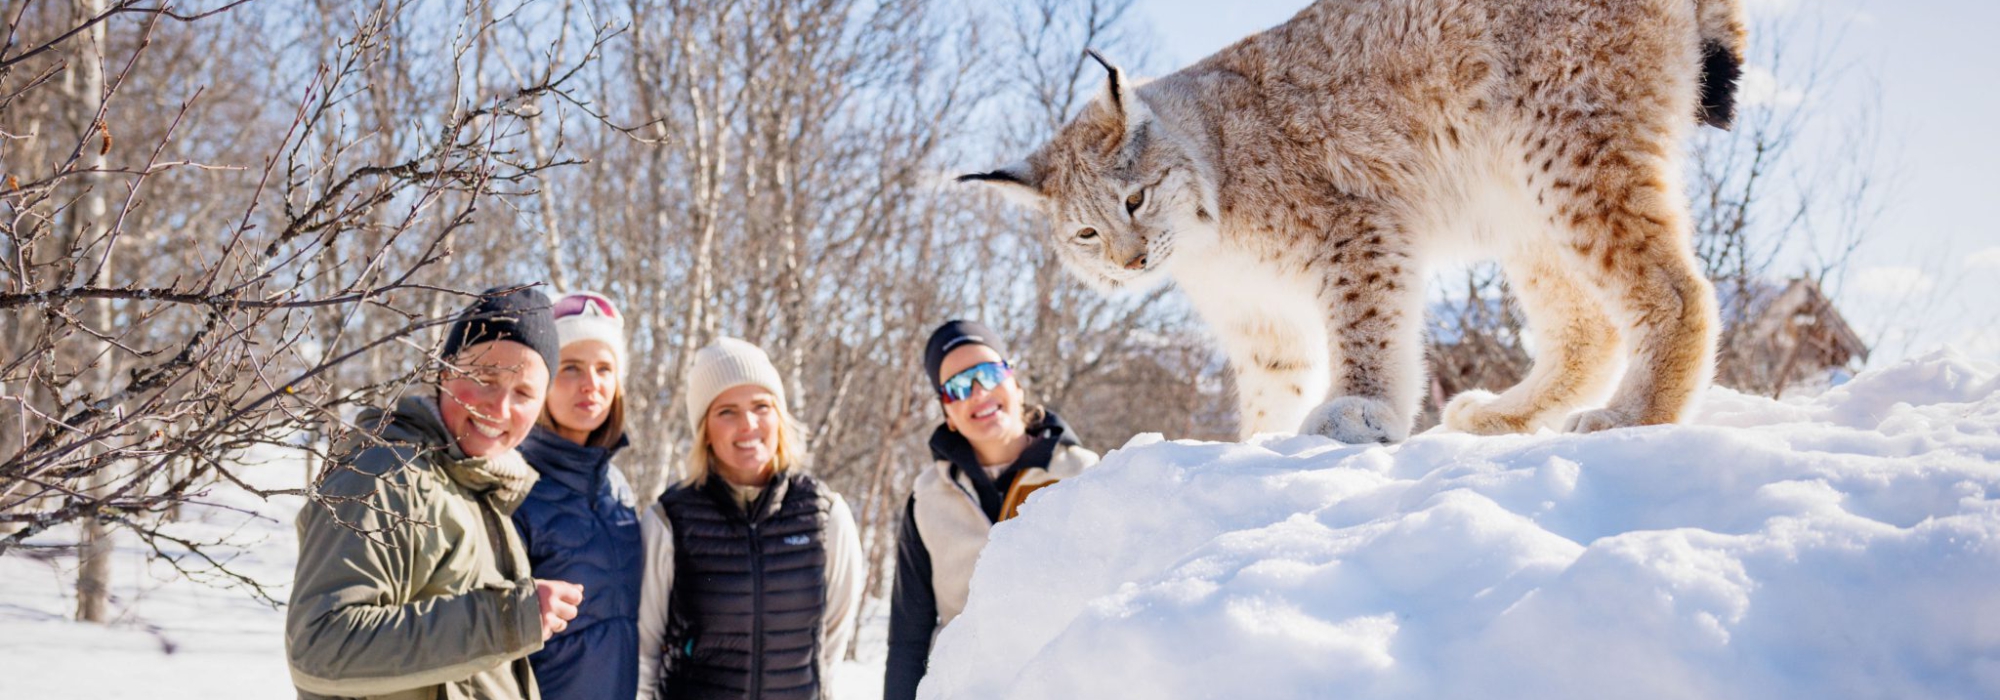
column 590, row 316
column 725, row 364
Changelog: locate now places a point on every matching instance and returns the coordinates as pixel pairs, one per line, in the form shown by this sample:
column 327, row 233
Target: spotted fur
column 1299, row 184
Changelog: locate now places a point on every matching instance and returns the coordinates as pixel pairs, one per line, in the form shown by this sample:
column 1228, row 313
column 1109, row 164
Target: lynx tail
column 1723, row 42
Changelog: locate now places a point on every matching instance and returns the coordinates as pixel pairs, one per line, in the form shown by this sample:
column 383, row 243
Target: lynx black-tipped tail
column 1720, row 71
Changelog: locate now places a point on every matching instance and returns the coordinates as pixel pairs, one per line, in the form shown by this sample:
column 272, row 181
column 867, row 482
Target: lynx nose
column 1137, row 263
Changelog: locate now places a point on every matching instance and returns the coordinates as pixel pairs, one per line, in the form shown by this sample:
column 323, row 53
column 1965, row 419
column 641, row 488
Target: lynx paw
column 1473, row 412
column 1598, row 419
column 1357, row 420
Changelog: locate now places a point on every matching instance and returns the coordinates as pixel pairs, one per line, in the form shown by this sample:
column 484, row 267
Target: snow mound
column 1838, row 546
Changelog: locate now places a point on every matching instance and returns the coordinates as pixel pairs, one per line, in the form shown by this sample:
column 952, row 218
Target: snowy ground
column 1837, row 546
column 1840, row 546
column 172, row 637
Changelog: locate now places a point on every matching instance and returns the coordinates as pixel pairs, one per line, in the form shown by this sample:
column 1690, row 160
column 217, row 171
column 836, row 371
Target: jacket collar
column 766, row 505
column 504, row 478
column 952, row 448
column 579, row 468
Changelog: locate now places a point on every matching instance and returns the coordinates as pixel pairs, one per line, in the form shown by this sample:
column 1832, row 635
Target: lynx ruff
column 1297, row 184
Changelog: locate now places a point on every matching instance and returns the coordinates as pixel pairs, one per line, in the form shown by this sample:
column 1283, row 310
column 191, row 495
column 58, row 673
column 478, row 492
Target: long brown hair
column 606, row 435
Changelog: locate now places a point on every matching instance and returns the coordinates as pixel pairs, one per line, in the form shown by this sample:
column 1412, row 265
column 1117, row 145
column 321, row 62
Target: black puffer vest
column 749, row 591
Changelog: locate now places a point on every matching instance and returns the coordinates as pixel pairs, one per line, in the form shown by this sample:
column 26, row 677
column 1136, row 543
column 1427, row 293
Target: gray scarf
column 505, row 478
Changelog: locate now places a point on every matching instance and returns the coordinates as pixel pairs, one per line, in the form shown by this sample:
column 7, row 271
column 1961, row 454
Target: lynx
column 1298, row 185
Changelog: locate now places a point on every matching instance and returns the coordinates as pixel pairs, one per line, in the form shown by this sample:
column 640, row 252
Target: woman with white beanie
column 753, row 568
column 580, row 522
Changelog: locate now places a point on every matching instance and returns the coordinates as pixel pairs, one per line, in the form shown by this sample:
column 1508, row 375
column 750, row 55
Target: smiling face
column 586, row 380
column 743, row 426
column 991, row 417
column 491, row 398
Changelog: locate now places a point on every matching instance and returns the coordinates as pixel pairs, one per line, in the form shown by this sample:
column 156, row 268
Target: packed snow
column 1837, row 546
column 1834, row 546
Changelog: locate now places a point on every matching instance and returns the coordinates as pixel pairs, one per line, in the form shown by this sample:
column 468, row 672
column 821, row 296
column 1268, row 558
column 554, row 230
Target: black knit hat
column 521, row 315
column 953, row 334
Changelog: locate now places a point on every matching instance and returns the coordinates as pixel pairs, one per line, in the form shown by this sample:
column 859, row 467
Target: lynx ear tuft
column 1019, row 182
column 1121, row 98
column 1115, row 85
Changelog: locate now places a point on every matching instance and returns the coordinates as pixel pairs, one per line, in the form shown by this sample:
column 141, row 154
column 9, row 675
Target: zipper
column 503, row 556
column 970, row 497
column 503, row 559
column 756, row 613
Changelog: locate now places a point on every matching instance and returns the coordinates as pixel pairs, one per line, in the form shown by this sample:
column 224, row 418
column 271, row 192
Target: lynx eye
column 1086, row 234
column 1133, row 202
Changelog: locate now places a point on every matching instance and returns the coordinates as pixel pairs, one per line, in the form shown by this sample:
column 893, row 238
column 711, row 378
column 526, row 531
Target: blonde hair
column 791, row 452
column 606, row 435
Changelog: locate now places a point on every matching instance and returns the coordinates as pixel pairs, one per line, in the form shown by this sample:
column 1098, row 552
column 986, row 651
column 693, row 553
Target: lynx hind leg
column 1279, row 371
column 1576, row 350
column 1625, row 223
column 1374, row 305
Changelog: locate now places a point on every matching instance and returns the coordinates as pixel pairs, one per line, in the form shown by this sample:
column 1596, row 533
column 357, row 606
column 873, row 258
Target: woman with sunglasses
column 754, row 568
column 579, row 523
column 991, row 451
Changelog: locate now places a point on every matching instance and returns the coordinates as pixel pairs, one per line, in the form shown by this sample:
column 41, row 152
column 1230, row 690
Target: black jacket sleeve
column 912, row 612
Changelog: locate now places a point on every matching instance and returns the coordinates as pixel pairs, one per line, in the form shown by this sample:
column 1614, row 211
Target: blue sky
column 1928, row 274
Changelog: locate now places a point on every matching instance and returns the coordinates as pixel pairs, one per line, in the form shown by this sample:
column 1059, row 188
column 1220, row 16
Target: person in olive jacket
column 579, row 522
column 411, row 582
column 990, row 453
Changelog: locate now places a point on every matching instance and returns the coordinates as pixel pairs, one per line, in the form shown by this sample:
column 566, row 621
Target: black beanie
column 521, row 315
column 953, row 334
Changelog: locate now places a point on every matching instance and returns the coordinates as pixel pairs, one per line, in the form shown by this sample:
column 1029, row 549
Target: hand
column 559, row 600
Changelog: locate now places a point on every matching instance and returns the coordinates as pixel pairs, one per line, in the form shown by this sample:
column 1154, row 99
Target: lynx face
column 1117, row 223
column 1120, row 189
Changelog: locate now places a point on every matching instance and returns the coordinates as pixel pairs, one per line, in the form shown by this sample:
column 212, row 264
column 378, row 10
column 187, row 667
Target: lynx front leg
column 1278, row 373
column 1374, row 300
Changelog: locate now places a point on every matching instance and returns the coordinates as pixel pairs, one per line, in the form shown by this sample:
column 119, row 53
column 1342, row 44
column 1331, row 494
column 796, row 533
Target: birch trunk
column 93, row 578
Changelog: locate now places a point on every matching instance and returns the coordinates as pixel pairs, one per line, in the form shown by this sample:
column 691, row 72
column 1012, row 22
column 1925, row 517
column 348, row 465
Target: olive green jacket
column 411, row 581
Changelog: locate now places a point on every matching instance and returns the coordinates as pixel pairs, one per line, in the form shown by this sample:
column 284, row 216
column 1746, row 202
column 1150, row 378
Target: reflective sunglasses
column 987, row 374
column 581, row 304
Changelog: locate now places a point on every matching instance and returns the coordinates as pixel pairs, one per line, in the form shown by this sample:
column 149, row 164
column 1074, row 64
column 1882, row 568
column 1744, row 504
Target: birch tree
column 185, row 289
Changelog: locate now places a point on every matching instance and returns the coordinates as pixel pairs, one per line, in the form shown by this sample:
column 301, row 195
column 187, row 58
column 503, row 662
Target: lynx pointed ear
column 1019, row 182
column 1120, row 97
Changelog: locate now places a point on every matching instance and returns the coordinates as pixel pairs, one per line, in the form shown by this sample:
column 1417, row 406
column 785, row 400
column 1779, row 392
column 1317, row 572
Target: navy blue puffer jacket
column 579, row 525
